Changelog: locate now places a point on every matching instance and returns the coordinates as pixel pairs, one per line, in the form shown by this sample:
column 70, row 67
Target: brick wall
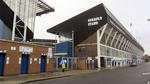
column 14, row 54
column 81, row 64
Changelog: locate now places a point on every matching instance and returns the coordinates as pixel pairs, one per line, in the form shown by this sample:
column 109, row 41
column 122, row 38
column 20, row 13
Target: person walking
column 63, row 67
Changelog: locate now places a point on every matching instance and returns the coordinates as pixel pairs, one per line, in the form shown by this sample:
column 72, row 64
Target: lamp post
column 72, row 43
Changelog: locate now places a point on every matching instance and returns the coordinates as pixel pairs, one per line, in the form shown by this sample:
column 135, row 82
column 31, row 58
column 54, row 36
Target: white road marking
column 147, row 73
column 148, row 82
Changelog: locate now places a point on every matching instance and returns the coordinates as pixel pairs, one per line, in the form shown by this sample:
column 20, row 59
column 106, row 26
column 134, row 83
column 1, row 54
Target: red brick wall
column 82, row 64
column 90, row 47
column 14, row 67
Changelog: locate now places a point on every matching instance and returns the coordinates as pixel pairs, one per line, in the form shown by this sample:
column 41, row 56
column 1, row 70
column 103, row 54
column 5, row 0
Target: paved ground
column 40, row 76
column 126, row 75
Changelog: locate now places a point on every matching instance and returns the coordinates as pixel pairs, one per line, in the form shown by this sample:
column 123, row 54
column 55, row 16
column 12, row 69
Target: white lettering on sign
column 47, row 61
column 25, row 49
column 13, row 48
column 94, row 21
column 39, row 60
column 7, row 60
column 19, row 60
column 30, row 60
column 35, row 59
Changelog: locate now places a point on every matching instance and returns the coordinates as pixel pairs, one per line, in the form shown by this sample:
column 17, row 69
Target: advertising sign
column 25, row 49
column 49, row 54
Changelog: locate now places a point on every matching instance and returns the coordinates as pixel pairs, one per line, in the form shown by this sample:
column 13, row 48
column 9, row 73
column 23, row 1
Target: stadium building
column 17, row 18
column 98, row 34
column 17, row 54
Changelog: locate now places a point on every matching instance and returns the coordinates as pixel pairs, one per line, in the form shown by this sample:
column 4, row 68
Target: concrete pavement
column 125, row 75
column 41, row 76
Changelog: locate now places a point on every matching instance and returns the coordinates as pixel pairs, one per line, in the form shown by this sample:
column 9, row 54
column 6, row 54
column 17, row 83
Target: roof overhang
column 79, row 24
column 6, row 15
column 43, row 8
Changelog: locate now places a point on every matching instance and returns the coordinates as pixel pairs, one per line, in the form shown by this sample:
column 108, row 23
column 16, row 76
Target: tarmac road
column 126, row 75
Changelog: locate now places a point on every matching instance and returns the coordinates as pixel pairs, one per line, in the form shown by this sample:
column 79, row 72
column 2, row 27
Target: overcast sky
column 126, row 11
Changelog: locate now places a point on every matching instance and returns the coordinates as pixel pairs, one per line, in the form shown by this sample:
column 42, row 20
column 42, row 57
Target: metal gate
column 71, row 62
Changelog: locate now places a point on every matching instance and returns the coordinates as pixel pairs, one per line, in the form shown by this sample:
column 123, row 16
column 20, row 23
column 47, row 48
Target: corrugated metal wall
column 5, row 32
column 1, row 29
column 65, row 47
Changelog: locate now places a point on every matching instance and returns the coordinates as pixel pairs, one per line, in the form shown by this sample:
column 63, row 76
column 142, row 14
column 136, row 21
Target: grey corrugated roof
column 43, row 8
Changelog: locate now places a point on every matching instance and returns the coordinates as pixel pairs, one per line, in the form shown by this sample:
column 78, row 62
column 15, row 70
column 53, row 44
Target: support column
column 108, row 36
column 26, row 20
column 123, row 48
column 117, row 40
column 120, row 42
column 113, row 38
column 72, row 43
column 127, row 45
column 99, row 37
column 125, row 41
column 14, row 20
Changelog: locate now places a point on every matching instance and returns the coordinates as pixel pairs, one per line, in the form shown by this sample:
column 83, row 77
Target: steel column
column 123, row 44
column 113, row 38
column 120, row 42
column 26, row 19
column 14, row 20
column 99, row 37
column 126, row 44
column 108, row 36
column 117, row 40
column 72, row 43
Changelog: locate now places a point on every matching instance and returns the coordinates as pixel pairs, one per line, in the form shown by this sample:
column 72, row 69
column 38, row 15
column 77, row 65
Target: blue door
column 1, row 64
column 91, row 64
column 113, row 63
column 24, row 64
column 43, row 62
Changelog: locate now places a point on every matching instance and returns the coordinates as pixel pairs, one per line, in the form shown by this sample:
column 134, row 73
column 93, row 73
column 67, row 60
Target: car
column 133, row 64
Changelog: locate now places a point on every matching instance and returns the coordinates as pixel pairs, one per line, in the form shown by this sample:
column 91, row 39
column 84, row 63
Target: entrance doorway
column 2, row 58
column 43, row 63
column 103, row 64
column 24, row 64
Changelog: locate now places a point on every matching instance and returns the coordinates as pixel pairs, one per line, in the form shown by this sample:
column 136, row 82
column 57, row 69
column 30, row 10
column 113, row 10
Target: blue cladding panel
column 1, row 64
column 65, row 47
column 1, row 29
column 24, row 64
column 43, row 61
column 134, row 57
